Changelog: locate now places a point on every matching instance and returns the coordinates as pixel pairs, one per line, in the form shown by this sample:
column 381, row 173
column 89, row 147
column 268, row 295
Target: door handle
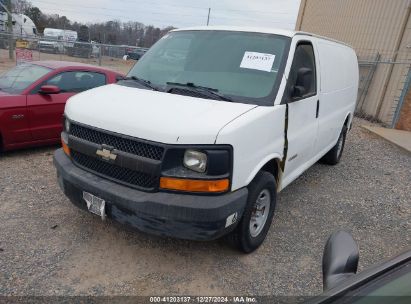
column 318, row 109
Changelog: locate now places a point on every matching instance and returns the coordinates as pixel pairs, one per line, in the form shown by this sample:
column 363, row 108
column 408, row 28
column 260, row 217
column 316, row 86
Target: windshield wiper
column 205, row 90
column 144, row 82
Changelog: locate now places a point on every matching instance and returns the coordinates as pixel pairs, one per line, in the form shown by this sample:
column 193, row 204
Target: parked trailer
column 23, row 28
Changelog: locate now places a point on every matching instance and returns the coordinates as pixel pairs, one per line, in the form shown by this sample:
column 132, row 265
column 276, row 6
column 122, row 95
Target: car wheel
column 258, row 214
column 334, row 155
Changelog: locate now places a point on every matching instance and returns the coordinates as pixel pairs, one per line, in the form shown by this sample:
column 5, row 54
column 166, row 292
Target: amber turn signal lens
column 66, row 149
column 192, row 185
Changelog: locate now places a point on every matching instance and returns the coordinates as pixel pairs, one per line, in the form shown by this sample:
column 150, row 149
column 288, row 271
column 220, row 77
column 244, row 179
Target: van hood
column 155, row 116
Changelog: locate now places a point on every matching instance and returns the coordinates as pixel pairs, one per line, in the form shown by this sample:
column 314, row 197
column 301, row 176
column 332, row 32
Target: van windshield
column 245, row 67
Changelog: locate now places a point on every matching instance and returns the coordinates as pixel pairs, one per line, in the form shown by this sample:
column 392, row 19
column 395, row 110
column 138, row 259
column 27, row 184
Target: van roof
column 265, row 30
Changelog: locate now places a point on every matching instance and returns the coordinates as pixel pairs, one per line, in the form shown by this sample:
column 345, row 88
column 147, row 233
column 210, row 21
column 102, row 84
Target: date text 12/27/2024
column 201, row 299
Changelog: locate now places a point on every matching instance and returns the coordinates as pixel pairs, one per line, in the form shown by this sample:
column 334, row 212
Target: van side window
column 302, row 75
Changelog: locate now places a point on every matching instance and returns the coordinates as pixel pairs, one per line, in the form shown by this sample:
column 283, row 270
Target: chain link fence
column 107, row 55
column 381, row 72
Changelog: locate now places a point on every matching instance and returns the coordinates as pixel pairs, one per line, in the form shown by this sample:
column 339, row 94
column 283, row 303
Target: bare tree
column 20, row 6
column 132, row 33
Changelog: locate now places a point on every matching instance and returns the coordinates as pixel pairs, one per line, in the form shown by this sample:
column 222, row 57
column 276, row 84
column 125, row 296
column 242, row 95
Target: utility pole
column 208, row 17
column 10, row 30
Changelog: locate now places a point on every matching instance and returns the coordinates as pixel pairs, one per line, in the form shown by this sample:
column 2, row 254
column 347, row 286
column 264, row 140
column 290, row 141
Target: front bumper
column 185, row 216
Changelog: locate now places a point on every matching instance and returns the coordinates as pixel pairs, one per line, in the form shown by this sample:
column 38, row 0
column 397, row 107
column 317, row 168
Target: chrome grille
column 133, row 146
column 114, row 172
column 118, row 172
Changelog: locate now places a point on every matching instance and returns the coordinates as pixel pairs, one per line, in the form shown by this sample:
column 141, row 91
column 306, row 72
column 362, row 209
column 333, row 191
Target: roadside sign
column 22, row 44
column 23, row 55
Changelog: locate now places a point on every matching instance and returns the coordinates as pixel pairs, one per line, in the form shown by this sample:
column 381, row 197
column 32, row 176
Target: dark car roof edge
column 55, row 65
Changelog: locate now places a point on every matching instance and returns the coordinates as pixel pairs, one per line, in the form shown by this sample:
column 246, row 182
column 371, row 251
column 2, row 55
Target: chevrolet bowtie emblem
column 106, row 154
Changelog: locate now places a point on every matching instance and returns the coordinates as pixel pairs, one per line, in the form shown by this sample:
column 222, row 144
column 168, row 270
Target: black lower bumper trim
column 186, row 216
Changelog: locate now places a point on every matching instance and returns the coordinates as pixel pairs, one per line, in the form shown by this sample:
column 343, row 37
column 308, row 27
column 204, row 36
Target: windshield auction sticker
column 257, row 61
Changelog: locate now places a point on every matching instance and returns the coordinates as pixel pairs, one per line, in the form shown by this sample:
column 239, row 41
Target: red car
column 33, row 96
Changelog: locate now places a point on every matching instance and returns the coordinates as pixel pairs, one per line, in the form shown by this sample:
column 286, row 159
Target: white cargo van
column 208, row 126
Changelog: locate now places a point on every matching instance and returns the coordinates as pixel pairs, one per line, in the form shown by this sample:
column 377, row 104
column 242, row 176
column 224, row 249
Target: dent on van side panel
column 256, row 137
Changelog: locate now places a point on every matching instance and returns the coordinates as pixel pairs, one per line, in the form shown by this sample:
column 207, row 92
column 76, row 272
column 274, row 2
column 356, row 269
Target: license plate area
column 95, row 204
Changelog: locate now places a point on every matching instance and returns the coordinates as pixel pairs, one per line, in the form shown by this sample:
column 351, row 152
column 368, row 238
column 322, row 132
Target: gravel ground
column 48, row 247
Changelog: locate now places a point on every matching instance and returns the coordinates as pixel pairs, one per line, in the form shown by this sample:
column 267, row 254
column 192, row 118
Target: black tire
column 333, row 156
column 242, row 237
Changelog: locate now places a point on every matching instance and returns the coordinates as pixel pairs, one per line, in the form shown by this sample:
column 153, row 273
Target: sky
column 178, row 13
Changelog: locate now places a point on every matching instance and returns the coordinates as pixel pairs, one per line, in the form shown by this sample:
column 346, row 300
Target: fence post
column 370, row 76
column 10, row 30
column 38, row 48
column 99, row 54
column 401, row 100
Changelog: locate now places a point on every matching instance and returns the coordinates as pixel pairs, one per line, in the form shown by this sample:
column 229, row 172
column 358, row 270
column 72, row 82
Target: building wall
column 371, row 27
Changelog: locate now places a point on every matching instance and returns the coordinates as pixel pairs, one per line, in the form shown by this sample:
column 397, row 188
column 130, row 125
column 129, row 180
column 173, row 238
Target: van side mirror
column 340, row 259
column 49, row 89
column 302, row 82
column 297, row 91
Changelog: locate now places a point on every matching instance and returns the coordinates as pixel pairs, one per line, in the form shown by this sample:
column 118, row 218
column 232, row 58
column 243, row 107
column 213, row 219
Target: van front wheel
column 334, row 155
column 258, row 214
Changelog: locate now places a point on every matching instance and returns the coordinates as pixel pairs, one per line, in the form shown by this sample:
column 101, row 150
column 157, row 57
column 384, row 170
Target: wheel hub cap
column 259, row 215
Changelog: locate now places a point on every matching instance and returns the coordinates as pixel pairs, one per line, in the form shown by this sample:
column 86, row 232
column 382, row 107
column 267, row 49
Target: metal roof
column 282, row 32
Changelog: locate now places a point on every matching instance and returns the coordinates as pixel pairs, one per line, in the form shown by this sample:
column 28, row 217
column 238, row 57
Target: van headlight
column 195, row 160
